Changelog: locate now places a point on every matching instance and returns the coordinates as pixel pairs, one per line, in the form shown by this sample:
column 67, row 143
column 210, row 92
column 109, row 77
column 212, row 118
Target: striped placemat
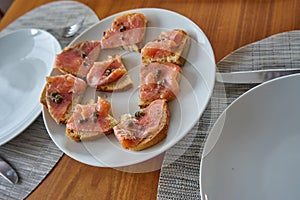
column 32, row 153
column 179, row 177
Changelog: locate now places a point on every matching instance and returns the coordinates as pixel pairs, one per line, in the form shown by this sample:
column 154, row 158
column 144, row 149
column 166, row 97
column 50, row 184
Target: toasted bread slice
column 127, row 32
column 78, row 58
column 146, row 128
column 122, row 84
column 170, row 46
column 90, row 121
column 109, row 75
column 158, row 81
column 43, row 97
column 60, row 94
column 89, row 135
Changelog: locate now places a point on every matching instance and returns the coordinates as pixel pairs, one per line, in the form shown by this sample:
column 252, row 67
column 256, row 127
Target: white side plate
column 252, row 152
column 196, row 85
column 26, row 58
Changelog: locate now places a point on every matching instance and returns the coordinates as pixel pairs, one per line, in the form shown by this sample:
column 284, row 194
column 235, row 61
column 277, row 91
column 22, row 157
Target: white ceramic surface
column 196, row 84
column 252, row 152
column 26, row 57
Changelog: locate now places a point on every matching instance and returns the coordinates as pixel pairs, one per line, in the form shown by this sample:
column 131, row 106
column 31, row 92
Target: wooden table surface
column 228, row 24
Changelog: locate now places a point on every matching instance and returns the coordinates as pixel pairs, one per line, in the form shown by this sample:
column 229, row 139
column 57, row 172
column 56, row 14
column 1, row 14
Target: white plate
column 196, row 87
column 26, row 57
column 252, row 152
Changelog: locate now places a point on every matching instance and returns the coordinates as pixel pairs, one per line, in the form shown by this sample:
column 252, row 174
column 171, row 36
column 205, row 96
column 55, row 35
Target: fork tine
column 73, row 29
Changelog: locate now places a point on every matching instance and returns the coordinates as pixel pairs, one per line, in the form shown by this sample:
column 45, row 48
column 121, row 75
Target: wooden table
column 228, row 24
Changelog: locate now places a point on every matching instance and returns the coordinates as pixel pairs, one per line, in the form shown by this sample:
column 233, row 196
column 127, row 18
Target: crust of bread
column 123, row 83
column 133, row 47
column 78, row 136
column 178, row 57
column 43, row 98
column 143, row 104
column 154, row 138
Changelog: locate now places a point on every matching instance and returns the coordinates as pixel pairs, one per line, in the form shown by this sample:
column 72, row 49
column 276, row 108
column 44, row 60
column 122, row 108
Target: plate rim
column 36, row 110
column 212, row 139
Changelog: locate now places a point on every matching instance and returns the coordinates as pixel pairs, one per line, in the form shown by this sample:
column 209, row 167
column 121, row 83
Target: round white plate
column 252, row 152
column 26, row 57
column 198, row 75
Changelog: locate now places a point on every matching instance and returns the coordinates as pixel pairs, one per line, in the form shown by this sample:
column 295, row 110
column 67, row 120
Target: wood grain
column 228, row 24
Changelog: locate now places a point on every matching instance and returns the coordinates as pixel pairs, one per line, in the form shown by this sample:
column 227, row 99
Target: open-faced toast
column 144, row 129
column 127, row 32
column 158, row 81
column 60, row 94
column 78, row 58
column 109, row 75
column 90, row 121
column 170, row 46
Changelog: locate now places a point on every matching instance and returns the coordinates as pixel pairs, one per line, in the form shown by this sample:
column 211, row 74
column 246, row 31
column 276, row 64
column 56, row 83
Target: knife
column 254, row 76
column 8, row 172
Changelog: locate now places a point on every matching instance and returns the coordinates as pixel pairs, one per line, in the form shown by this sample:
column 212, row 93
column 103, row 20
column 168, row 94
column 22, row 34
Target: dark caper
column 56, row 98
column 158, row 73
column 83, row 54
column 139, row 113
column 95, row 116
column 123, row 28
column 108, row 72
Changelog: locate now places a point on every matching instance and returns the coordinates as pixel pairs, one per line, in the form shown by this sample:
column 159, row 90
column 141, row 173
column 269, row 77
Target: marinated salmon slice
column 127, row 31
column 104, row 73
column 79, row 58
column 62, row 92
column 170, row 46
column 145, row 128
column 158, row 81
column 90, row 120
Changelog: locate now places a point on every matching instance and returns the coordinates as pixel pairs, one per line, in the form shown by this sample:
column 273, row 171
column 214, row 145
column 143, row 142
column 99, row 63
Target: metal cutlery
column 254, row 76
column 68, row 31
column 7, row 172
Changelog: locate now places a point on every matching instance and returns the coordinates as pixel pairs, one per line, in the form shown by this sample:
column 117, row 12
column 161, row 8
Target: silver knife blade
column 255, row 76
column 8, row 172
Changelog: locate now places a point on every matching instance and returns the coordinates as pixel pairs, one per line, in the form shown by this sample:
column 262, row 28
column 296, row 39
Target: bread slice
column 109, row 75
column 158, row 81
column 78, row 58
column 90, row 121
column 146, row 128
column 66, row 116
column 43, row 97
column 60, row 94
column 167, row 48
column 79, row 136
column 126, row 32
column 122, row 84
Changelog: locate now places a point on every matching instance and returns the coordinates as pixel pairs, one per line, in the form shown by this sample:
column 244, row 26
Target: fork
column 68, row 31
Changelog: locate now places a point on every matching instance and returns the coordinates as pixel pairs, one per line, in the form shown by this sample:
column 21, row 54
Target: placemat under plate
column 179, row 177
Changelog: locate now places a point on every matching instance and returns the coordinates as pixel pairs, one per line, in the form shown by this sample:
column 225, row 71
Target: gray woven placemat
column 32, row 153
column 179, row 177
